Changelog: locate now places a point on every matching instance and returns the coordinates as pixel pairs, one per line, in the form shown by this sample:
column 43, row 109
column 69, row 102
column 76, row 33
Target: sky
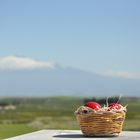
column 96, row 36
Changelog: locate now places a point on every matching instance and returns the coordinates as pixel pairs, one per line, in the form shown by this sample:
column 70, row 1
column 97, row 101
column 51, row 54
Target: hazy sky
column 101, row 36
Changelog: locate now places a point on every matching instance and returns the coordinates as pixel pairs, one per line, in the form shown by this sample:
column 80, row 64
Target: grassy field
column 33, row 114
column 10, row 130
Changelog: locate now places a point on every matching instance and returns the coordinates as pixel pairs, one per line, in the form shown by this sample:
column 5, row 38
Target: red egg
column 93, row 105
column 115, row 106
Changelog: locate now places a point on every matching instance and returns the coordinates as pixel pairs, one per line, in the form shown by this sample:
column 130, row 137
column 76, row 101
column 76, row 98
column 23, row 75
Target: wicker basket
column 105, row 124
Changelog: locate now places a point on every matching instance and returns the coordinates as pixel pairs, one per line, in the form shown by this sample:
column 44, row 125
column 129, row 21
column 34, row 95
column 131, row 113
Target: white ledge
column 72, row 135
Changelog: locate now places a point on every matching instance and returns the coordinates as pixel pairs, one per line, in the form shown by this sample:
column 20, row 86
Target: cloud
column 19, row 63
column 123, row 74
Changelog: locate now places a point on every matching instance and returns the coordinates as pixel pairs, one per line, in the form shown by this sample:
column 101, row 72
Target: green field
column 33, row 114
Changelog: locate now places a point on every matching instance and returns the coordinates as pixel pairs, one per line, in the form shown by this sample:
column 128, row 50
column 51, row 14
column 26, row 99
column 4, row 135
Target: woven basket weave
column 105, row 124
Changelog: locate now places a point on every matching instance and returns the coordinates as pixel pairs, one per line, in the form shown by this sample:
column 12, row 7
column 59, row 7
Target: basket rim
column 101, row 113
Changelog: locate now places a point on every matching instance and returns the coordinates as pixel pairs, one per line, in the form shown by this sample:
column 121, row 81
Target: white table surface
column 73, row 135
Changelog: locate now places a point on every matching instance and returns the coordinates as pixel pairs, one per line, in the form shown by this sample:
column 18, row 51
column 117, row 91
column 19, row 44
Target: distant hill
column 64, row 81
